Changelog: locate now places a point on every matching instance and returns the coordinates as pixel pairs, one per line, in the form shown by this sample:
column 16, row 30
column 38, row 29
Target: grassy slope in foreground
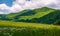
column 28, row 29
column 21, row 24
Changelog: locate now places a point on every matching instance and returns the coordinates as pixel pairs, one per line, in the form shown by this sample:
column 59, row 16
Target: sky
column 13, row 6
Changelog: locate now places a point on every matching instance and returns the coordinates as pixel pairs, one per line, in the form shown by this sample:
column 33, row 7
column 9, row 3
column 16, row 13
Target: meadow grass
column 9, row 28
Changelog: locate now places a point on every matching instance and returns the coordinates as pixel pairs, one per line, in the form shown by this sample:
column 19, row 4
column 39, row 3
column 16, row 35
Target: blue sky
column 7, row 2
column 13, row 6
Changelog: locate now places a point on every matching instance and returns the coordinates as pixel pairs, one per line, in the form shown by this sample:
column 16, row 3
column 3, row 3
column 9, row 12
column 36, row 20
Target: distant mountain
column 39, row 15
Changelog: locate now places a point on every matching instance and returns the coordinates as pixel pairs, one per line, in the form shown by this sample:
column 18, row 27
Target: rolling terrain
column 36, row 22
column 42, row 15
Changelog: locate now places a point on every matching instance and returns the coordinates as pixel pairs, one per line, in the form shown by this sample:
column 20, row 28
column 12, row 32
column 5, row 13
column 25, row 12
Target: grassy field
column 8, row 28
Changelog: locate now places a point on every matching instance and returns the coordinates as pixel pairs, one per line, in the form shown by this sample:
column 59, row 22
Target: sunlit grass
column 23, row 24
column 9, row 28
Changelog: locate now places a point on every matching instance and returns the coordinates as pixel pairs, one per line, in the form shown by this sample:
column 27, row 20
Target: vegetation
column 37, row 22
column 49, row 18
column 29, row 32
column 9, row 28
column 41, row 15
column 57, row 22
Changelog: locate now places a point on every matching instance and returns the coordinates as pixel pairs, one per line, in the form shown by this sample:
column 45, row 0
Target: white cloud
column 19, row 5
column 1, row 13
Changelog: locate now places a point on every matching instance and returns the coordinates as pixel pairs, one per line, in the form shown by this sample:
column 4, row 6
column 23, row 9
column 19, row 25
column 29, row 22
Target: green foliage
column 36, row 16
column 29, row 31
column 49, row 18
column 9, row 28
column 40, row 15
column 3, row 17
column 57, row 22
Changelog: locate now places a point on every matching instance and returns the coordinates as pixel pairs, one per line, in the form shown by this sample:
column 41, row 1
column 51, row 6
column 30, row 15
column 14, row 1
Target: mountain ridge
column 39, row 15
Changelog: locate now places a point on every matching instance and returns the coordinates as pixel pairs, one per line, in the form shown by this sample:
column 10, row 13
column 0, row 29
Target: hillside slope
column 40, row 15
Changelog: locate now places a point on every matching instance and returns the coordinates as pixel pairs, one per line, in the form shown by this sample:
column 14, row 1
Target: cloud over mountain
column 20, row 5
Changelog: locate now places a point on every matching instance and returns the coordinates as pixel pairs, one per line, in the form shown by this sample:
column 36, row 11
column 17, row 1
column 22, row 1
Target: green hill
column 15, row 24
column 40, row 15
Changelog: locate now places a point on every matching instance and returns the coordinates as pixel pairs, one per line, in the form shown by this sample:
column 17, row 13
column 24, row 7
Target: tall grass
column 28, row 29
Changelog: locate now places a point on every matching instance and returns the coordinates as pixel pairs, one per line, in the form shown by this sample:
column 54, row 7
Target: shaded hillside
column 49, row 18
column 3, row 17
column 40, row 12
column 40, row 15
column 19, row 14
